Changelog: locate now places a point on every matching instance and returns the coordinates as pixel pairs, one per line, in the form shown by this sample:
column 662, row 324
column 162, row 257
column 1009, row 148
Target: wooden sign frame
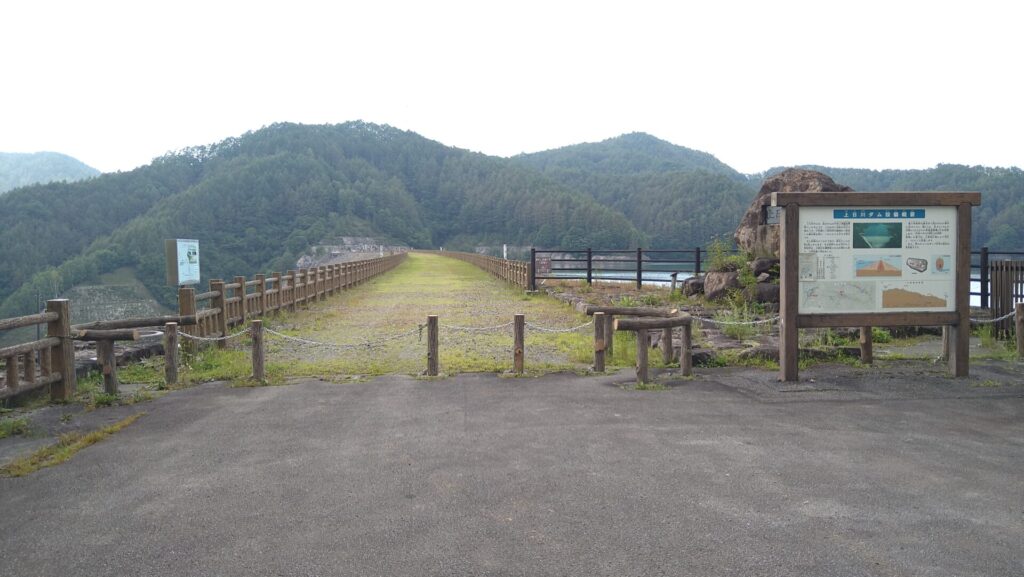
column 792, row 321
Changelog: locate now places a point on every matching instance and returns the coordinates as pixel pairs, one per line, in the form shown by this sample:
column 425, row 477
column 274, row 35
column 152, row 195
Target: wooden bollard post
column 63, row 358
column 866, row 354
column 599, row 342
column 686, row 351
column 258, row 351
column 667, row 353
column 1019, row 310
column 519, row 338
column 432, row 346
column 171, row 354
column 108, row 365
column 641, row 356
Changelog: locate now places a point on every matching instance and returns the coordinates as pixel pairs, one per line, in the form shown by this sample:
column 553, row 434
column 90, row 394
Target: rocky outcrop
column 762, row 240
column 717, row 284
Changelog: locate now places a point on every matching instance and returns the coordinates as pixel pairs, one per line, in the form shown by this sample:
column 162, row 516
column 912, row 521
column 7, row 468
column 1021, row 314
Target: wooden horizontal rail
column 111, row 335
column 631, row 311
column 207, row 295
column 33, row 346
column 909, row 199
column 651, row 323
column 27, row 321
column 138, row 323
column 232, row 285
column 207, row 313
column 41, row 381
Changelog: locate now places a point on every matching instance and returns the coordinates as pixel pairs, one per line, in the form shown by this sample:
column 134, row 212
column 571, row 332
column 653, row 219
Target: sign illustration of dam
column 887, row 265
column 877, row 235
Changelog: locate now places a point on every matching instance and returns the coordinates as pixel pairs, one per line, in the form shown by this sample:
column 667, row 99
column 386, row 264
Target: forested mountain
column 998, row 223
column 257, row 201
column 679, row 197
column 635, row 153
column 22, row 169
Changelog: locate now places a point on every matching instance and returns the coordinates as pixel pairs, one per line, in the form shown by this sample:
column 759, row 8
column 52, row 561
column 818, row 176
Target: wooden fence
column 513, row 271
column 1007, row 279
column 48, row 361
column 230, row 304
column 51, row 361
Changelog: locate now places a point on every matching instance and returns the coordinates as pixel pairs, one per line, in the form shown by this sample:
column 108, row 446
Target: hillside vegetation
column 23, row 169
column 259, row 201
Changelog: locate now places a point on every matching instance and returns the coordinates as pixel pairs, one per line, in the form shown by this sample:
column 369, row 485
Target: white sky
column 872, row 84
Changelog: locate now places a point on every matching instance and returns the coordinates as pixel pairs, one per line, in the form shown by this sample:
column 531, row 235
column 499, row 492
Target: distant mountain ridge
column 632, row 153
column 19, row 169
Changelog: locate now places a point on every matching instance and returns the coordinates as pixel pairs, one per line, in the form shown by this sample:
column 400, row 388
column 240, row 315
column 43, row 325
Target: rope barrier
column 187, row 336
column 550, row 330
column 991, row 321
column 475, row 329
column 718, row 322
column 345, row 347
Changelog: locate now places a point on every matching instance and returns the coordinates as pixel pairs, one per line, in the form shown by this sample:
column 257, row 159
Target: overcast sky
column 872, row 84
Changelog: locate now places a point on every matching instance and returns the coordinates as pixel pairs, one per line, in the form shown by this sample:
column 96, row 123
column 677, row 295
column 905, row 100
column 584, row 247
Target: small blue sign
column 876, row 213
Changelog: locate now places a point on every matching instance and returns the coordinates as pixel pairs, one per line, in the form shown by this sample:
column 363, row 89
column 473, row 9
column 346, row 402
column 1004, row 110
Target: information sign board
column 182, row 261
column 877, row 259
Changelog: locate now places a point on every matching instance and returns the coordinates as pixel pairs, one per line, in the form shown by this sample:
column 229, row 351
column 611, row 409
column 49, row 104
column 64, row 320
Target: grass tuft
column 13, row 426
column 65, row 447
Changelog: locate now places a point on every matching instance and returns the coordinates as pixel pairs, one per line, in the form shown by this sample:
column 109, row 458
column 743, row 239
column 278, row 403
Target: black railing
column 980, row 260
column 640, row 265
column 657, row 266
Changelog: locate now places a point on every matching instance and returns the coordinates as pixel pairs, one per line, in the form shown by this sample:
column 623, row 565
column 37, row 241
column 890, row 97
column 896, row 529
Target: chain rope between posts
column 347, row 347
column 549, row 330
column 475, row 329
column 718, row 322
column 185, row 335
column 991, row 321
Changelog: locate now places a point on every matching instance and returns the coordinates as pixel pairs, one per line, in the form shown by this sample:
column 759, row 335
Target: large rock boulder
column 763, row 239
column 717, row 284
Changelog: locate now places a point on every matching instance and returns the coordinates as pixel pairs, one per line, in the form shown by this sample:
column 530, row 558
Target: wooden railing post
column 171, row 354
column 641, row 356
column 866, row 353
column 533, row 269
column 187, row 307
column 609, row 335
column 294, row 274
column 108, row 365
column 257, row 351
column 686, row 351
column 432, row 342
column 519, row 338
column 218, row 302
column 276, row 299
column 599, row 342
column 667, row 353
column 241, row 293
column 261, row 287
column 696, row 261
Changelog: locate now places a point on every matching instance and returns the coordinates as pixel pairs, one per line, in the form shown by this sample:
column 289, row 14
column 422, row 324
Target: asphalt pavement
column 898, row 470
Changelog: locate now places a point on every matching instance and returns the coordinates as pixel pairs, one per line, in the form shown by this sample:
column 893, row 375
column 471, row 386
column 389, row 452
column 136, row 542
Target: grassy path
column 395, row 304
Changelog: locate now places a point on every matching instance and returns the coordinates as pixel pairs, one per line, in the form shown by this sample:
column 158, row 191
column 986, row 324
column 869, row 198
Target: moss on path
column 396, row 304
